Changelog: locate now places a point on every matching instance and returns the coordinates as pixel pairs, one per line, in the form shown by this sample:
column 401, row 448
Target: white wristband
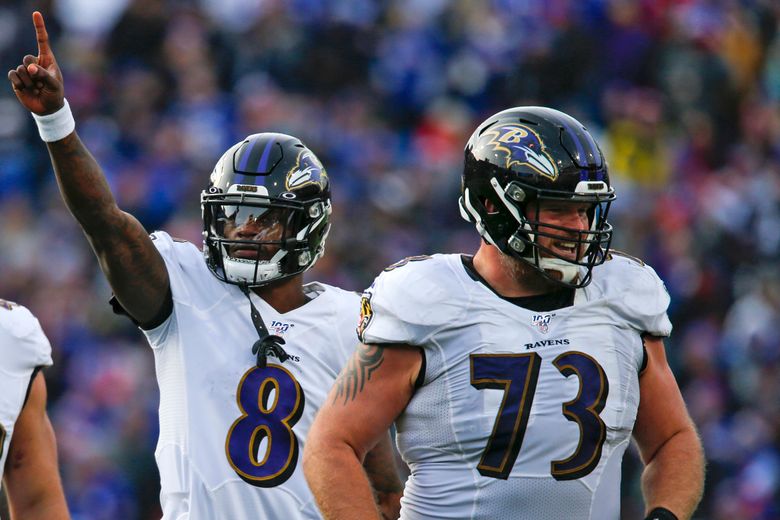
column 56, row 126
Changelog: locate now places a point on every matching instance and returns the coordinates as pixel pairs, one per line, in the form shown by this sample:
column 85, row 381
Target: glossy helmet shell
column 264, row 172
column 527, row 154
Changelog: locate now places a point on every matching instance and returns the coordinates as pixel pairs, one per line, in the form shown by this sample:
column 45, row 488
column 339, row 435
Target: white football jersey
column 23, row 348
column 232, row 434
column 521, row 414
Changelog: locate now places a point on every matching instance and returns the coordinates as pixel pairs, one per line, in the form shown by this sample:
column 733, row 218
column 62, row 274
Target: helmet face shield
column 241, row 215
column 233, row 220
column 255, row 227
column 537, row 187
column 260, row 227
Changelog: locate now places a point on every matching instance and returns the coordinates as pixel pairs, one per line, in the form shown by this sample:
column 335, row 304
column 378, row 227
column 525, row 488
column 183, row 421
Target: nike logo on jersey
column 546, row 343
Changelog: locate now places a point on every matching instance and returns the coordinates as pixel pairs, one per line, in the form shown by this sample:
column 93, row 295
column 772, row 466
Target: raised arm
column 673, row 477
column 130, row 261
column 31, row 475
column 371, row 391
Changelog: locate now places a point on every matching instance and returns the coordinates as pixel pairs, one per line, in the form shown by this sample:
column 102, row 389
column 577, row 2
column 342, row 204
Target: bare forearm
column 674, row 478
column 371, row 391
column 126, row 254
column 83, row 186
column 382, row 472
column 339, row 484
column 389, row 504
column 44, row 506
column 31, row 476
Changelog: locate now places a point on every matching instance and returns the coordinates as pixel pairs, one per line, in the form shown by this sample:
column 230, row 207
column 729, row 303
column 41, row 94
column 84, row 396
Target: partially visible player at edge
column 28, row 450
column 516, row 377
column 245, row 353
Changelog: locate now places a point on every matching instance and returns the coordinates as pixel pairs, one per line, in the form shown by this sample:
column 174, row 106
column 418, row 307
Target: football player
column 28, row 451
column 517, row 376
column 245, row 353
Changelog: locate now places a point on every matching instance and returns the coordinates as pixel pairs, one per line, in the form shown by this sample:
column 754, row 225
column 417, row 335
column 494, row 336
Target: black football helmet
column 266, row 211
column 533, row 154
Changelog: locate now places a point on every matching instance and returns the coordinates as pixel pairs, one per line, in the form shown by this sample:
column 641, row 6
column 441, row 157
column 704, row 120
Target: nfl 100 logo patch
column 280, row 328
column 542, row 322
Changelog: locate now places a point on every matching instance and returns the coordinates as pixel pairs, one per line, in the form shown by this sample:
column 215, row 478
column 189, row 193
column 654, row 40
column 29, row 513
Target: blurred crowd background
column 683, row 95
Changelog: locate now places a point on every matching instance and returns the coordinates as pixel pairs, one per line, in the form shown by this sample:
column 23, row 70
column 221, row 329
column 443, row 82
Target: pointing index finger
column 41, row 35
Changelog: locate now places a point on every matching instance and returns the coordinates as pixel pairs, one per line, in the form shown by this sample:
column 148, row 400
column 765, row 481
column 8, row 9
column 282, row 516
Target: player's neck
column 509, row 278
column 285, row 295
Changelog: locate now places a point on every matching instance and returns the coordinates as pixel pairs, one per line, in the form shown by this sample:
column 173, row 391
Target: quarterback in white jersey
column 516, row 377
column 28, row 453
column 245, row 353
column 230, row 431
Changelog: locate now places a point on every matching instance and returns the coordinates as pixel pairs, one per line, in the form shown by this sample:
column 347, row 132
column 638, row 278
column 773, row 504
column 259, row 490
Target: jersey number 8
column 271, row 401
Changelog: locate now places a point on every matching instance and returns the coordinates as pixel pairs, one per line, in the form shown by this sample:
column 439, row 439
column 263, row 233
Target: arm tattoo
column 82, row 183
column 358, row 370
column 127, row 256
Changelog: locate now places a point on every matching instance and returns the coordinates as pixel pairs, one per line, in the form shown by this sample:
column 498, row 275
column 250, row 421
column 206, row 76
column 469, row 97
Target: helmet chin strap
column 567, row 270
column 268, row 344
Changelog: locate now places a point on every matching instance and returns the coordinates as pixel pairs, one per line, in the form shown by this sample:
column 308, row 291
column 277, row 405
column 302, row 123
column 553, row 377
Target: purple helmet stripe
column 250, row 165
column 264, row 158
column 245, row 155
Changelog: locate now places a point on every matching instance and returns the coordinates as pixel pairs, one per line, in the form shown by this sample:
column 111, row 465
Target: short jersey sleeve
column 645, row 301
column 183, row 261
column 24, row 345
column 407, row 303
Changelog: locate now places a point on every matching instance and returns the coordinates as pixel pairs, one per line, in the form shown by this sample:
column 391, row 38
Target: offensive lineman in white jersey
column 516, row 377
column 244, row 352
column 28, row 451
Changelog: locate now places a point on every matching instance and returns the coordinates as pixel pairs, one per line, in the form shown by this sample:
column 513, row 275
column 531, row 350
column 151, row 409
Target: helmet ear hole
column 490, row 206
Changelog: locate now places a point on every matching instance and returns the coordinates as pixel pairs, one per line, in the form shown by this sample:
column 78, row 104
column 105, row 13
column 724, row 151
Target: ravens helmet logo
column 521, row 146
column 307, row 170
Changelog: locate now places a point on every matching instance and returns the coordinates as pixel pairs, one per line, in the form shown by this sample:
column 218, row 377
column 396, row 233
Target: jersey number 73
column 516, row 375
